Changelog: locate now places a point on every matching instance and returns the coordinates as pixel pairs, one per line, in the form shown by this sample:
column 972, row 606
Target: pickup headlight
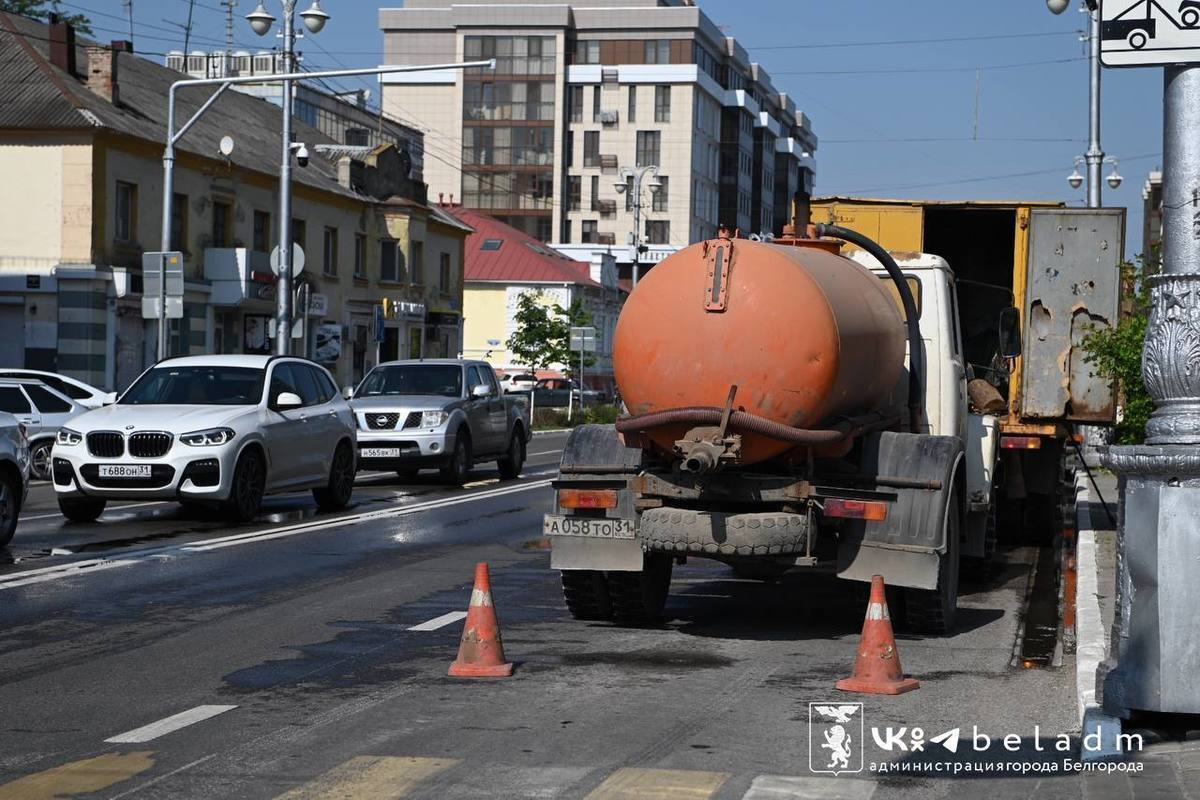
column 432, row 419
column 68, row 437
column 209, row 438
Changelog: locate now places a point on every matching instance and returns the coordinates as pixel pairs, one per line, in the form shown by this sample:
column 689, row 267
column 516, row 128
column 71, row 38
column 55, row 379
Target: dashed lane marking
column 169, row 724
column 788, row 787
column 440, row 622
column 78, row 777
column 377, row 777
column 633, row 783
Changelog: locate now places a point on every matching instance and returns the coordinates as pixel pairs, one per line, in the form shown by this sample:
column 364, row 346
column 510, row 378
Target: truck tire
column 676, row 530
column 456, row 470
column 934, row 611
column 638, row 598
column 586, row 594
column 980, row 567
column 514, row 456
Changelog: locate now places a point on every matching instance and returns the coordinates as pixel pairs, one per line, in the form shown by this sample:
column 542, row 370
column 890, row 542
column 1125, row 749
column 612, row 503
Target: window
column 220, row 223
column 570, row 154
column 591, row 148
column 300, row 233
column 46, row 401
column 306, row 381
column 575, row 103
column 574, row 192
column 224, row 386
column 360, row 255
column 444, row 272
column 659, row 199
column 589, row 233
column 662, row 103
column 595, row 191
column 491, row 244
column 648, row 146
column 595, row 104
column 13, row 401
column 126, row 230
column 632, row 115
column 587, row 52
column 416, row 267
column 566, row 231
column 262, row 231
column 658, row 51
column 330, row 251
column 389, row 270
column 658, row 232
column 179, row 215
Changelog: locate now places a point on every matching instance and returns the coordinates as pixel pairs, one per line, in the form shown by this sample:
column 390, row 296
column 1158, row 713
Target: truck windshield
column 197, row 386
column 441, row 379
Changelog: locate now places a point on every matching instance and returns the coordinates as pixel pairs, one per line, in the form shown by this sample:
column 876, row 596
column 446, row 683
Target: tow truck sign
column 1149, row 32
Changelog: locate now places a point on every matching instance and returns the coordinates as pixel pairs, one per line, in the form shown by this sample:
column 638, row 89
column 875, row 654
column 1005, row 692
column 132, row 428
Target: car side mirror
column 347, row 392
column 110, row 398
column 481, row 391
column 285, row 401
column 1010, row 332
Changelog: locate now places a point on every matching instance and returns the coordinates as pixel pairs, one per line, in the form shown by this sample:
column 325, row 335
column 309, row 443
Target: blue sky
column 896, row 120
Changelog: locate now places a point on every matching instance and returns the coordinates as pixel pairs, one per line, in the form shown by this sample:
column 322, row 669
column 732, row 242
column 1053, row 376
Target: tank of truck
column 806, row 335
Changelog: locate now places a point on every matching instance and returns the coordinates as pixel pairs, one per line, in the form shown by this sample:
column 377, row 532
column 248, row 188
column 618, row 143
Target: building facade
column 79, row 133
column 583, row 90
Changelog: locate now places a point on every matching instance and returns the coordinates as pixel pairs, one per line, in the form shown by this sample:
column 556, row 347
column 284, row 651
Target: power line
column 913, row 70
column 891, row 42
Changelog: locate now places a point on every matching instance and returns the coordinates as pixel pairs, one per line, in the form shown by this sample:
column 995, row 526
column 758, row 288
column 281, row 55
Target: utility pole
column 637, row 175
column 129, row 13
column 1095, row 155
column 229, row 5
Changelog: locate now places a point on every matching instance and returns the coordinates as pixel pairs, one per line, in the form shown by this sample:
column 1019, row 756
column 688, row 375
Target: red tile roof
column 520, row 258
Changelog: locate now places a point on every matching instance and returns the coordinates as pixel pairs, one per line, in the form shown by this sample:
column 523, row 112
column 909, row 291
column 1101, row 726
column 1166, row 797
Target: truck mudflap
column 904, row 548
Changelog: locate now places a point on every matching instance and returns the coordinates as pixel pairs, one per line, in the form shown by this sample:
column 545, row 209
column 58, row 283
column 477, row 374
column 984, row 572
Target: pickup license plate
column 125, row 471
column 558, row 525
column 379, row 452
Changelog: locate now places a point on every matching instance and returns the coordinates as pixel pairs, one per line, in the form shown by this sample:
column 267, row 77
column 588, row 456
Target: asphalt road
column 163, row 656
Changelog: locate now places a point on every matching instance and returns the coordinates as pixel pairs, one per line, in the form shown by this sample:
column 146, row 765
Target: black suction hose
column 916, row 355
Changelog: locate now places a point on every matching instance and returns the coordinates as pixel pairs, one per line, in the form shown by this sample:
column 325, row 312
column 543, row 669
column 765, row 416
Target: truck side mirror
column 1010, row 332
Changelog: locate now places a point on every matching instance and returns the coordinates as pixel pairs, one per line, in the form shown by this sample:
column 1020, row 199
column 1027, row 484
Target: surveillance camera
column 302, row 155
column 1057, row 6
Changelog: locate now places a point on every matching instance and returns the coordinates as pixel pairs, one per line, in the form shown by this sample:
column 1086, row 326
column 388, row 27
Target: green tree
column 543, row 333
column 1116, row 353
column 41, row 9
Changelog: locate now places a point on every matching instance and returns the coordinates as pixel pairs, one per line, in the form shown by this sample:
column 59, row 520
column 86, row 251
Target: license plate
column 558, row 525
column 379, row 452
column 124, row 470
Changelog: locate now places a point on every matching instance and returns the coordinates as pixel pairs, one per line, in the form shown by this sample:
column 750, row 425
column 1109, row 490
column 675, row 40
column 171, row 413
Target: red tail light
column 1020, row 442
column 587, row 498
column 870, row 510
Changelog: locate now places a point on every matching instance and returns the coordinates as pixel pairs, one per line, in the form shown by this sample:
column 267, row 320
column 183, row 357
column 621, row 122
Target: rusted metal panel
column 1072, row 286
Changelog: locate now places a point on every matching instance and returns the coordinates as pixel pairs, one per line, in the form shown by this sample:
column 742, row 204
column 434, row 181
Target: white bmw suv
column 211, row 430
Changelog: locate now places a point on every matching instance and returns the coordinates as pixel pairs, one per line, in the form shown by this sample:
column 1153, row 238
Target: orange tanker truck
column 789, row 405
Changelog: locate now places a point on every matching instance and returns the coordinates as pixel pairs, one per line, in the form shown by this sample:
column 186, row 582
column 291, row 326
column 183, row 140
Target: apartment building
column 583, row 91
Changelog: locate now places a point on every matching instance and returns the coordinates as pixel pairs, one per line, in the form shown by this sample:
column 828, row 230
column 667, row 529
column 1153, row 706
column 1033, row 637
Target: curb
column 1091, row 643
column 553, row 430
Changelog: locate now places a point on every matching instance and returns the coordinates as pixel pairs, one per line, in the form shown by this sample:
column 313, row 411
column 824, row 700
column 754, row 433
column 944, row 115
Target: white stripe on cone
column 878, row 611
column 480, row 598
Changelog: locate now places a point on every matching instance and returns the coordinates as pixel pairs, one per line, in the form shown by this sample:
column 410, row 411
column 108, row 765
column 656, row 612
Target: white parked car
column 518, row 382
column 211, row 429
column 14, row 474
column 84, row 394
column 42, row 411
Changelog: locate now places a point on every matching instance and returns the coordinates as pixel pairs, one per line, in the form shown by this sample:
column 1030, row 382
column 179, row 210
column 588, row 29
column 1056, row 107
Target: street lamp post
column 260, row 22
column 621, row 185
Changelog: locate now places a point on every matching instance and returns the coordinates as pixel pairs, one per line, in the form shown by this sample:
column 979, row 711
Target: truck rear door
column 1073, row 284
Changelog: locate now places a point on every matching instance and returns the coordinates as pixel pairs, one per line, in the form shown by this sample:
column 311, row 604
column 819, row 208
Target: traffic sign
column 157, row 268
column 150, row 308
column 380, row 324
column 1149, row 32
column 297, row 259
column 583, row 339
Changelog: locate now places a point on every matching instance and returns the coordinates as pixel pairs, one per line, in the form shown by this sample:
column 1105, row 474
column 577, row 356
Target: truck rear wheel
column 934, row 610
column 586, row 594
column 638, row 598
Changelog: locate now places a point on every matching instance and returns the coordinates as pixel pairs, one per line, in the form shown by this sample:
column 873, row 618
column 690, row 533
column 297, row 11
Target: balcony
column 609, row 117
column 606, row 237
column 606, row 208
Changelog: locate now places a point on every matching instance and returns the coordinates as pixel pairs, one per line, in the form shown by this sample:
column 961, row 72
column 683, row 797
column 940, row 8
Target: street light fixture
column 1075, row 179
column 1114, row 178
column 631, row 179
column 1057, row 6
column 261, row 21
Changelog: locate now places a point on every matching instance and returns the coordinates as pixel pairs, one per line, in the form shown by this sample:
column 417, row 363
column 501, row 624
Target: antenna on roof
column 129, row 13
column 229, row 5
column 187, row 32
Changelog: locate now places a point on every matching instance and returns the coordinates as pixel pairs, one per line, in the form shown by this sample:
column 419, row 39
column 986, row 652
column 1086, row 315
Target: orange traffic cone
column 481, row 654
column 877, row 669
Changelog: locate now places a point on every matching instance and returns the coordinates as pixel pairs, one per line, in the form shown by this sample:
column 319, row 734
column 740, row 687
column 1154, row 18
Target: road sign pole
column 162, row 307
column 1094, row 158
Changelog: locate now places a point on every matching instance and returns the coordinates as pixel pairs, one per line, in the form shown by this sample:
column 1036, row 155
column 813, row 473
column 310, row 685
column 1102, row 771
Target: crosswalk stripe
column 633, row 783
column 440, row 622
column 169, row 725
column 788, row 787
column 376, row 777
column 79, row 777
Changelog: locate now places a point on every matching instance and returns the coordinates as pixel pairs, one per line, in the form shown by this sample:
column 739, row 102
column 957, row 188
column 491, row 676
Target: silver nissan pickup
column 444, row 414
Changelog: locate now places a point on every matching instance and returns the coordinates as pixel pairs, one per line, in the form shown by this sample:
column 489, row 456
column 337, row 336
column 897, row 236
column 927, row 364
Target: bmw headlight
column 209, row 438
column 68, row 437
column 433, row 419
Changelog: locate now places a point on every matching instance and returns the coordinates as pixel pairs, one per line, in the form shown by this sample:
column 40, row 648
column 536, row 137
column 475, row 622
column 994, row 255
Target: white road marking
column 170, row 724
column 440, row 622
column 545, row 453
column 788, row 787
column 43, row 574
column 107, row 511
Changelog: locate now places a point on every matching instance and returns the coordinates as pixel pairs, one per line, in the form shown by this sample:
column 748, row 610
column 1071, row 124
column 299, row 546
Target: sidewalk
column 1172, row 760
